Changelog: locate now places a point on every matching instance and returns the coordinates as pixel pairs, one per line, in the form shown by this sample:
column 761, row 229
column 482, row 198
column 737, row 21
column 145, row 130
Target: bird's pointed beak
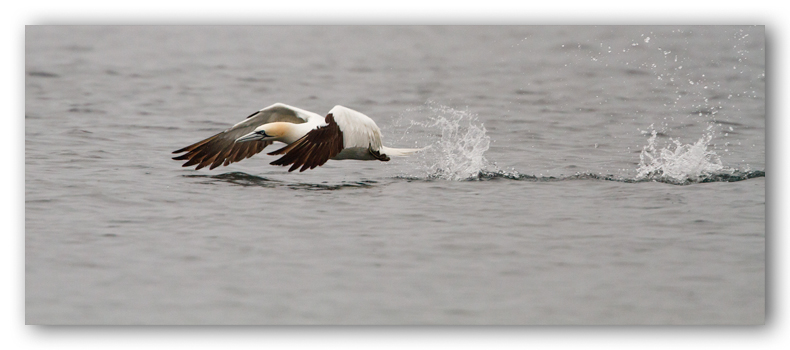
column 253, row 136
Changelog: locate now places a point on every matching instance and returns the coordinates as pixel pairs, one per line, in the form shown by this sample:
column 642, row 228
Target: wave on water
column 733, row 176
column 489, row 175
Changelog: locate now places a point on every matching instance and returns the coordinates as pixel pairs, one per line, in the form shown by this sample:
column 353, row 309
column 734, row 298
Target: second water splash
column 678, row 162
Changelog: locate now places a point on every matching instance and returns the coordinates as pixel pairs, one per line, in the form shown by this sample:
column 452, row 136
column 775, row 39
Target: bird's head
column 266, row 132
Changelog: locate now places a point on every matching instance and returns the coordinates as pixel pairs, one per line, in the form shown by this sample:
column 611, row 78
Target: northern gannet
column 311, row 139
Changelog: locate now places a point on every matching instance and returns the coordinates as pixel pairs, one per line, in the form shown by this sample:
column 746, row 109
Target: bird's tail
column 399, row 152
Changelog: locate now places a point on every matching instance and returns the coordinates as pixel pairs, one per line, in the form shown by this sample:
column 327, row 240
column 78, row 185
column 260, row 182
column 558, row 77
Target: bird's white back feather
column 358, row 129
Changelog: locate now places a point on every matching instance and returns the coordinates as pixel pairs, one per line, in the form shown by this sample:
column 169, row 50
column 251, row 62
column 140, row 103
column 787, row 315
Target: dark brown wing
column 222, row 149
column 219, row 150
column 313, row 149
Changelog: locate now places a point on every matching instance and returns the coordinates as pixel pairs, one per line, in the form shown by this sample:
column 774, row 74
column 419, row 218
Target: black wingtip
column 183, row 149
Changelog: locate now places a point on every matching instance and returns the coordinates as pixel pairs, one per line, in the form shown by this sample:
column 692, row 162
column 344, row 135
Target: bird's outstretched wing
column 222, row 149
column 313, row 149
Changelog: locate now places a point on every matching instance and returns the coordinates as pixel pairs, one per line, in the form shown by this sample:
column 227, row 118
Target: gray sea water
column 573, row 175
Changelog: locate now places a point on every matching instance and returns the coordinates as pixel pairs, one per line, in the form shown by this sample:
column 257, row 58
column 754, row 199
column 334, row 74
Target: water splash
column 679, row 162
column 458, row 151
column 456, row 143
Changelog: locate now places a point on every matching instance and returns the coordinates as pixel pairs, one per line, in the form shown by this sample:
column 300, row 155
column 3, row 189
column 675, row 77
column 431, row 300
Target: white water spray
column 458, row 142
column 680, row 163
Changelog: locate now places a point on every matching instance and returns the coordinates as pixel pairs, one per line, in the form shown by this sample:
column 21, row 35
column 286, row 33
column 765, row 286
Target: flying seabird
column 311, row 139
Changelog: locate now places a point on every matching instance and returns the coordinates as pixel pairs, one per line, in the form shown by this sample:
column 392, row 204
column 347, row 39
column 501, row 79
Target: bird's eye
column 263, row 133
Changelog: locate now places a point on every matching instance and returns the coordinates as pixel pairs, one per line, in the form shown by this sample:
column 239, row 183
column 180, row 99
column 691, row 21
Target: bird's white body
column 343, row 134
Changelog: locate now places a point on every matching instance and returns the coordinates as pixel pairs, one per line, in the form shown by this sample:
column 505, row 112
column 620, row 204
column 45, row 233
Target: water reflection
column 244, row 179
